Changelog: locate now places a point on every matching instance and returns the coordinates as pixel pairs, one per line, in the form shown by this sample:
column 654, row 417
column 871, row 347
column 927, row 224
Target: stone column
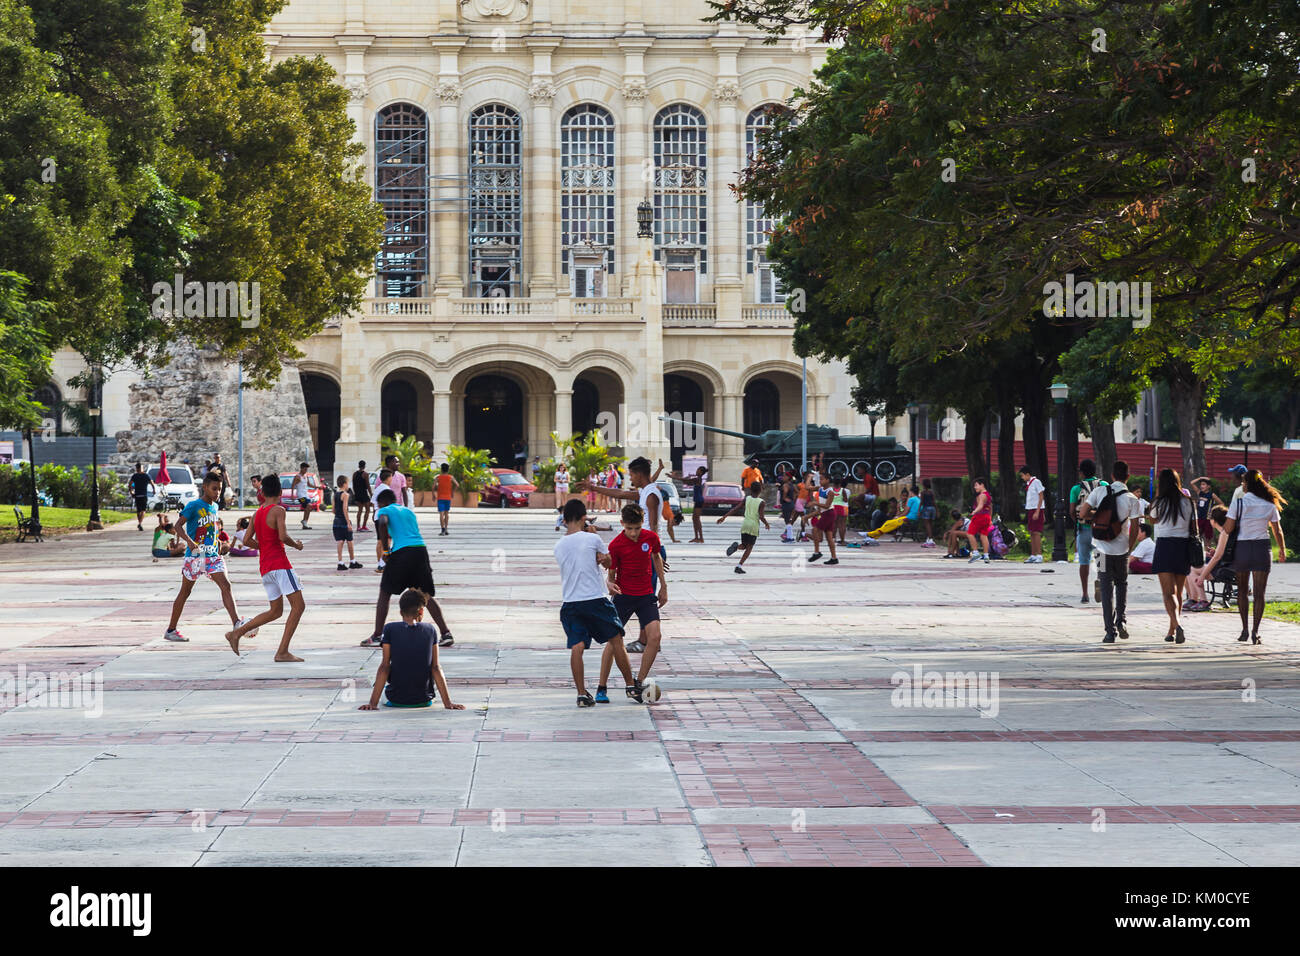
column 632, row 149
column 725, row 149
column 540, row 163
column 563, row 412
column 450, row 187
column 728, row 465
column 354, row 80
column 359, row 400
column 441, row 422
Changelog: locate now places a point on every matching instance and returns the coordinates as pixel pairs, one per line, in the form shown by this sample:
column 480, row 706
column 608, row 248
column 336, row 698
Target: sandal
column 586, row 700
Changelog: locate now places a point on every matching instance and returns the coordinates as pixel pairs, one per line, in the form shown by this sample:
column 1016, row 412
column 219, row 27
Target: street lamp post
column 36, row 501
column 95, row 523
column 913, row 409
column 1060, row 392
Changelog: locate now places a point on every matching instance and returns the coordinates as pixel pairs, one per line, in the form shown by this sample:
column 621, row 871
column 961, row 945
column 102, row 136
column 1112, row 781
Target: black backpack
column 1105, row 525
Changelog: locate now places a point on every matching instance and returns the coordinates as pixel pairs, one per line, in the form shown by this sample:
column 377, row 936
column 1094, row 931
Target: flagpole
column 803, row 432
column 239, row 495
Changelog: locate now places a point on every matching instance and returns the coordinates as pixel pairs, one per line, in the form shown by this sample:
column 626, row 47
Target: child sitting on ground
column 237, row 549
column 409, row 669
column 955, row 535
column 165, row 544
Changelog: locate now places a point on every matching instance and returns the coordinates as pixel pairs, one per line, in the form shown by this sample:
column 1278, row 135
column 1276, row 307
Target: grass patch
column 56, row 520
column 1288, row 611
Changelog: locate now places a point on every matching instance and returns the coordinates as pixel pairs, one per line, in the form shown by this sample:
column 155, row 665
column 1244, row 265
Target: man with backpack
column 1110, row 510
column 1088, row 482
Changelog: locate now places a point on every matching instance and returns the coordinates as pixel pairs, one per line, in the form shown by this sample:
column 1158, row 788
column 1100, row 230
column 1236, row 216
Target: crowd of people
column 1187, row 537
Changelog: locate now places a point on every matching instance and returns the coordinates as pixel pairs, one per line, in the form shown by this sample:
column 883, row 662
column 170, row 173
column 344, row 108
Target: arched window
column 758, row 224
column 50, row 399
column 495, row 201
column 402, row 189
column 587, row 198
column 681, row 187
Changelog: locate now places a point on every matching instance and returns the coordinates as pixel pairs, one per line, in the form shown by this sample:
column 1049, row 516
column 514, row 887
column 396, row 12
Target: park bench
column 25, row 529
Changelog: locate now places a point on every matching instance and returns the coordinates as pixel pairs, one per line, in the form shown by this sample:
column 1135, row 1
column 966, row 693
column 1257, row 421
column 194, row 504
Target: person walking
column 1035, row 495
column 446, row 482
column 928, row 511
column 1174, row 514
column 561, row 485
column 1110, row 509
column 141, row 484
column 396, row 481
column 361, row 495
column 1251, row 519
column 1088, row 481
column 981, row 522
column 342, row 527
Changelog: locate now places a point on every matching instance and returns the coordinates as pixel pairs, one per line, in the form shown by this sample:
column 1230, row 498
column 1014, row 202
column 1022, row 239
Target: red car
column 507, row 489
column 720, row 497
column 316, row 493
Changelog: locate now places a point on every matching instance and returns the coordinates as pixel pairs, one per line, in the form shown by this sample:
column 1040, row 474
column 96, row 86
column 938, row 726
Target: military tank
column 843, row 456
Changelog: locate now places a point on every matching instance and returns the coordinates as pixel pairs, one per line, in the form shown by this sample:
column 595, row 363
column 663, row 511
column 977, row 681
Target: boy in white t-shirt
column 1114, row 552
column 587, row 613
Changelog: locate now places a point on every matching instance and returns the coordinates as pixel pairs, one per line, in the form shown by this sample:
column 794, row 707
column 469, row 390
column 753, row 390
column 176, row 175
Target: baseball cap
column 1238, row 470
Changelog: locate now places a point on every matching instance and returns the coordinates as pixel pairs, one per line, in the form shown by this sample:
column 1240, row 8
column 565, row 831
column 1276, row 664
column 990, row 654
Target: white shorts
column 280, row 582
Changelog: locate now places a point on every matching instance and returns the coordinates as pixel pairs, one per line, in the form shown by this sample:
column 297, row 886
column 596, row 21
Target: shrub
column 470, row 467
column 1288, row 483
column 544, row 476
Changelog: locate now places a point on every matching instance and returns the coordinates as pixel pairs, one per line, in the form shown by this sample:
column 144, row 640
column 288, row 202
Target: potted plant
column 471, row 469
column 413, row 462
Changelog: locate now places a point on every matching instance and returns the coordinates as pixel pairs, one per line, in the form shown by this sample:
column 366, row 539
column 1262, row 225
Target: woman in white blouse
column 1174, row 514
column 1253, row 516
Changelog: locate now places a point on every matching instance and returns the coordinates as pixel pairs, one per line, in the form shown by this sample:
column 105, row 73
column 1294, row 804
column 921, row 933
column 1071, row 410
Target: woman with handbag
column 1174, row 514
column 1252, row 516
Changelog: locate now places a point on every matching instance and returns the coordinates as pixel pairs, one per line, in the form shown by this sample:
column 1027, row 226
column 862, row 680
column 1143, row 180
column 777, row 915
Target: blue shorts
column 928, row 513
column 444, row 504
column 585, row 621
column 1083, row 543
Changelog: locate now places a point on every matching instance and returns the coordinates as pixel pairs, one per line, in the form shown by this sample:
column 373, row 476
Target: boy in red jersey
column 634, row 566
column 269, row 535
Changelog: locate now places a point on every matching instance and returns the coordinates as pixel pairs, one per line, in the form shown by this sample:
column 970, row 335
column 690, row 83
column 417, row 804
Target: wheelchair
column 1221, row 587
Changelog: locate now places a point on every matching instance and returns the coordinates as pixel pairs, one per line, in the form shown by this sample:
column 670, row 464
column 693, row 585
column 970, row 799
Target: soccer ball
column 650, row 691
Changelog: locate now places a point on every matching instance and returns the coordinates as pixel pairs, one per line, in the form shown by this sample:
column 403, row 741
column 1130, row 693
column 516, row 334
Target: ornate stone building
column 510, row 143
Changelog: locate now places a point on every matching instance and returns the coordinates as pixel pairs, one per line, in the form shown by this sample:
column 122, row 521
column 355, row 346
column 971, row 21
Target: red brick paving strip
column 780, row 775
column 881, row 845
column 738, row 710
column 1123, row 814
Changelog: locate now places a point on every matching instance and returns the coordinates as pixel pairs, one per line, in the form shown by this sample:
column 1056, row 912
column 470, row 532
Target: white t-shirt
column 1237, row 493
column 1127, row 507
column 1178, row 525
column 645, row 493
column 1253, row 515
column 1144, row 550
column 1032, row 491
column 582, row 578
column 380, row 486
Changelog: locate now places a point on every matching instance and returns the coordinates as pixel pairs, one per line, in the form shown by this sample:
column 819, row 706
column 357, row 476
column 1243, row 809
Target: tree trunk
column 1187, row 393
column 1103, row 443
column 1033, row 432
column 975, row 463
column 1005, row 495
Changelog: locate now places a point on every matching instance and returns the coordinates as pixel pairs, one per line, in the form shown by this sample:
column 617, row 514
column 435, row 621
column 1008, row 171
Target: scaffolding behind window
column 758, row 224
column 402, row 189
column 681, row 186
column 495, row 202
column 587, row 185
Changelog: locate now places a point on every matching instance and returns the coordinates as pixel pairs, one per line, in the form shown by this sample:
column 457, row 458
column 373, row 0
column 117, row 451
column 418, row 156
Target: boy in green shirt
column 753, row 507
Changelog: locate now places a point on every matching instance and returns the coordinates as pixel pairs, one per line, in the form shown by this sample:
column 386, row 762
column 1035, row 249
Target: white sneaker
column 974, row 556
column 241, row 622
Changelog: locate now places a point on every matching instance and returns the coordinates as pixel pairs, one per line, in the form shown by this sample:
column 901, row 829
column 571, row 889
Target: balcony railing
column 558, row 309
column 770, row 316
column 699, row 315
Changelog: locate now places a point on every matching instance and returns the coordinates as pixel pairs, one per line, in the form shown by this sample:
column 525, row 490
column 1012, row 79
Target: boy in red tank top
column 269, row 535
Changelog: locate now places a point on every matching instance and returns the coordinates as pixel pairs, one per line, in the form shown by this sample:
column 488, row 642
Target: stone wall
column 189, row 408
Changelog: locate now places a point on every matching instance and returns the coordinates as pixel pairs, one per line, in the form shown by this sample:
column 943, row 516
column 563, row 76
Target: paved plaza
column 781, row 737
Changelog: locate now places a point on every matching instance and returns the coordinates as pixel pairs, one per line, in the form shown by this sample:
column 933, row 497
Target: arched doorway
column 597, row 402
column 322, row 398
column 684, row 399
column 494, row 416
column 586, row 406
column 406, row 405
column 762, row 411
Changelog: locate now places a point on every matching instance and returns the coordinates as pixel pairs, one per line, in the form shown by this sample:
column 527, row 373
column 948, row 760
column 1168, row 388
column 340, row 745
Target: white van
column 179, row 492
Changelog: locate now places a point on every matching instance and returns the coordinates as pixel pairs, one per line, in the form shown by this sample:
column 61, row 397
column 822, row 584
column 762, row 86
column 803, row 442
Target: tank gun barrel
column 710, row 428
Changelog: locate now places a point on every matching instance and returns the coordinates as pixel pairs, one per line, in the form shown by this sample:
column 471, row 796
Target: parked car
column 316, row 494
column 720, row 497
column 668, row 493
column 177, row 493
column 507, row 489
